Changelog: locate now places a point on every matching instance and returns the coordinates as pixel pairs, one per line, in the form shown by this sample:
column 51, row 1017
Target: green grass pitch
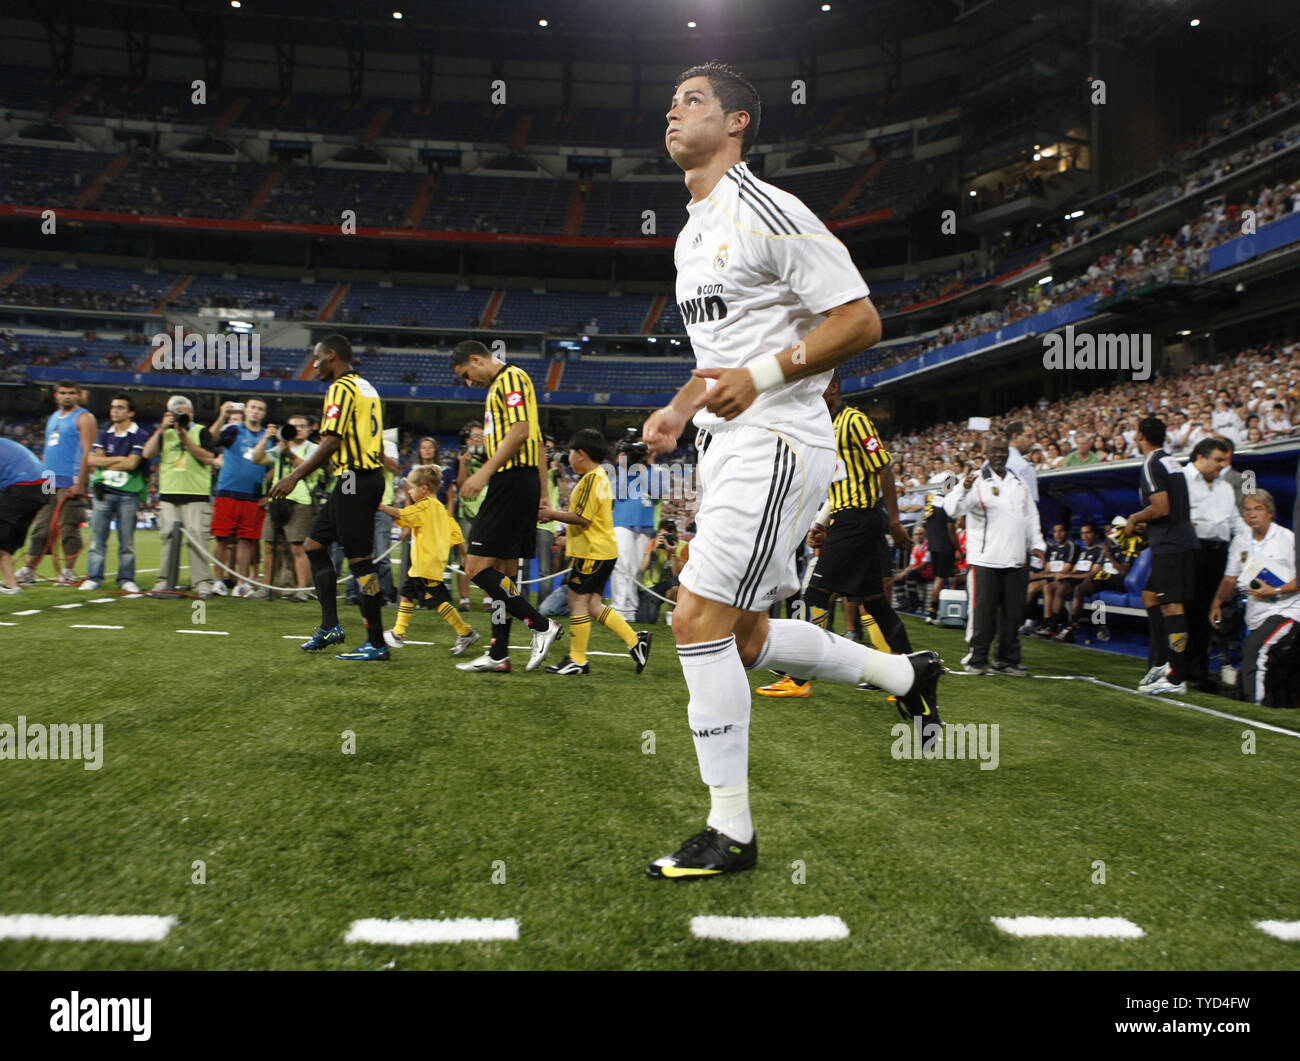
column 229, row 750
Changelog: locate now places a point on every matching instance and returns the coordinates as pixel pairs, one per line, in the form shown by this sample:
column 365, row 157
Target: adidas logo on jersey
column 769, row 595
column 699, row 238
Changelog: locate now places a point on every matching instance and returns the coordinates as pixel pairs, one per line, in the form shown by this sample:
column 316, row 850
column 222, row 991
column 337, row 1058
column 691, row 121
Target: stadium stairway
column 376, row 126
column 492, row 309
column 264, row 190
column 577, row 207
column 13, row 273
column 176, row 291
column 332, row 303
column 70, row 104
column 553, row 375
column 229, row 116
column 96, row 187
column 652, row 318
column 420, row 204
column 846, row 200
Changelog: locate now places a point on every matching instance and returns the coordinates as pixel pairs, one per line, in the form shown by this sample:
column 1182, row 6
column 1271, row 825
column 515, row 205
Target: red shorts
column 232, row 518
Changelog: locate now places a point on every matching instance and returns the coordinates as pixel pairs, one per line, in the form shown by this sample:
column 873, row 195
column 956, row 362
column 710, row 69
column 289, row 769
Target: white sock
column 729, row 813
column 719, row 717
column 810, row 652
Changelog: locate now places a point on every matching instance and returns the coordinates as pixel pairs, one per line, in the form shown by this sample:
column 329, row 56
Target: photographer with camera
column 636, row 517
column 661, row 563
column 288, row 519
column 237, row 516
column 469, row 460
column 184, row 450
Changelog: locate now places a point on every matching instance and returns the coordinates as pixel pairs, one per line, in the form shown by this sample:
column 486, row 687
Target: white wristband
column 766, row 373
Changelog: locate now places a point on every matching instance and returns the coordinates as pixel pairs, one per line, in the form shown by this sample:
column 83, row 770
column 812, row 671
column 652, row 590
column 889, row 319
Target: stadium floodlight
column 235, row 3
column 397, row 15
column 543, row 23
column 690, row 25
column 826, row 7
column 972, row 193
column 1044, row 280
column 1075, row 214
column 1194, row 23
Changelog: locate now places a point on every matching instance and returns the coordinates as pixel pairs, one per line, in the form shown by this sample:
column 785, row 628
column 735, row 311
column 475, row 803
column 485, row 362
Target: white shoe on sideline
column 88, row 585
column 542, row 642
column 128, row 587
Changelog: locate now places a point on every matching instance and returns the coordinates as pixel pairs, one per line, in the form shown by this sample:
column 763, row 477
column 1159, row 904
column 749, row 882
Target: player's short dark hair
column 733, row 92
column 1016, row 427
column 464, row 351
column 120, row 397
column 591, row 442
column 1152, row 428
column 338, row 346
column 68, row 384
column 1207, row 446
column 1088, row 523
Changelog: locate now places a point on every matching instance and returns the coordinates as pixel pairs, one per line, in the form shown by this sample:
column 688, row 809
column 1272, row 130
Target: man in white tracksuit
column 1002, row 529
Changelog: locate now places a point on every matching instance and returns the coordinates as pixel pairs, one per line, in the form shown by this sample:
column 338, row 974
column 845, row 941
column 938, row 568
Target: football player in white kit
column 772, row 303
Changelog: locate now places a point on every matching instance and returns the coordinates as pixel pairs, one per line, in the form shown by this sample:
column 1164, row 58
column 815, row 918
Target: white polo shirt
column 1247, row 556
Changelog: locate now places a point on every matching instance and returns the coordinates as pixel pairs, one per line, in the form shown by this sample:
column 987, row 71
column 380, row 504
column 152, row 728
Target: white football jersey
column 756, row 270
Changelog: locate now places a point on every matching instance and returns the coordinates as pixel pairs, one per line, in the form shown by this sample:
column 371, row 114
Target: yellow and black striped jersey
column 511, row 398
column 593, row 499
column 353, row 412
column 860, row 455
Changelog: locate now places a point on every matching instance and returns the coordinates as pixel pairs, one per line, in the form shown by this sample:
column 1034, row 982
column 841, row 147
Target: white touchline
column 141, row 928
column 92, row 626
column 1166, row 700
column 769, row 929
column 77, row 605
column 426, row 930
column 8, row 624
column 214, row 633
column 1076, row 927
column 108, row 600
column 30, row 611
column 1287, row 930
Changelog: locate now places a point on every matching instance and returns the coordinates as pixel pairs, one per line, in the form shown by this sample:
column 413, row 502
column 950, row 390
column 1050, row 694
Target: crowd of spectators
column 1250, row 398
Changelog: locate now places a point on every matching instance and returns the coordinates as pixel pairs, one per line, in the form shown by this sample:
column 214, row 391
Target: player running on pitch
column 756, row 273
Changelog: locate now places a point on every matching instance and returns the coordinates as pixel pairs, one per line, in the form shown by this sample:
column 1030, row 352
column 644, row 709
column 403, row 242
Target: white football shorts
column 759, row 494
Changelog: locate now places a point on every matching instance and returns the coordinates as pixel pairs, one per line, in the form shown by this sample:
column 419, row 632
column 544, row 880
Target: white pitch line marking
column 140, row 928
column 1163, row 699
column 1287, row 930
column 93, row 626
column 1074, row 927
column 427, row 930
column 769, row 929
column 30, row 611
column 108, row 600
column 77, row 605
column 8, row 624
column 213, row 633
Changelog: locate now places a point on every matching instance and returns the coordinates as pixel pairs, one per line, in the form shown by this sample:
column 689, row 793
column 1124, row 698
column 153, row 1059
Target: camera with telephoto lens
column 287, row 433
column 182, row 420
column 632, row 445
column 668, row 528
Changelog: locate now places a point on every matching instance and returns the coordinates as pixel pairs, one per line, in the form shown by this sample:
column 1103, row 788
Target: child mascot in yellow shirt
column 433, row 533
column 592, row 554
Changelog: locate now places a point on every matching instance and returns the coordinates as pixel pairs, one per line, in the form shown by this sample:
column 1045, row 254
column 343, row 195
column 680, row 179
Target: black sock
column 890, row 624
column 502, row 587
column 500, row 646
column 1176, row 637
column 325, row 579
column 370, row 598
column 1158, row 655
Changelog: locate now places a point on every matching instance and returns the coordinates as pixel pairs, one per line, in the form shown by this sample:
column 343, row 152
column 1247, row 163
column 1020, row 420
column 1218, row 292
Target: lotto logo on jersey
column 332, row 413
column 871, row 444
column 514, row 399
